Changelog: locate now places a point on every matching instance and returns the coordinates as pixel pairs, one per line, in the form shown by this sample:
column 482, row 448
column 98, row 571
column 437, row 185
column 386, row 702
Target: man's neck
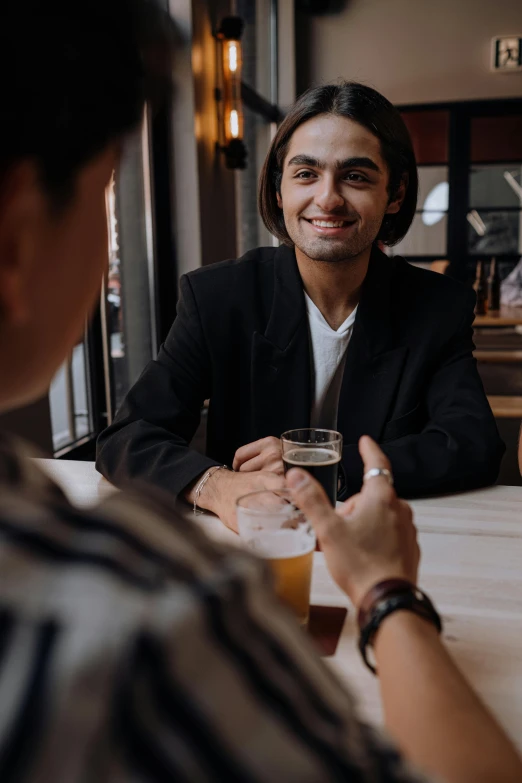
column 334, row 286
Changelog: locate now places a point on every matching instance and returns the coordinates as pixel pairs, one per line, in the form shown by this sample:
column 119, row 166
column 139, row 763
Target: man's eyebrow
column 357, row 163
column 306, row 160
column 348, row 163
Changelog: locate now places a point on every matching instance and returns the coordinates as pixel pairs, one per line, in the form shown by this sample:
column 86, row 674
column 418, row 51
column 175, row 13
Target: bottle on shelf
column 493, row 287
column 480, row 287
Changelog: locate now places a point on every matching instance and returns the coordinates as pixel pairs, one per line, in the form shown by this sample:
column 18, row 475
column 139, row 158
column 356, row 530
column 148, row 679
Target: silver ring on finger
column 375, row 472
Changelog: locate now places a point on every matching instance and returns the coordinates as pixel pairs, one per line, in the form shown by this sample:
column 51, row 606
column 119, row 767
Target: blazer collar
column 280, row 372
column 288, row 305
column 373, row 321
column 374, row 363
column 373, row 324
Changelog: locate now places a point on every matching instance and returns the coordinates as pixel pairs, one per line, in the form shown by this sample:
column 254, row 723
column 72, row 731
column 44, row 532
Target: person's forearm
column 432, row 462
column 210, row 492
column 432, row 713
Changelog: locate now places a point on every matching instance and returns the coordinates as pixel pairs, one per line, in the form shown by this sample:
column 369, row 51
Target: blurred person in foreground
column 132, row 648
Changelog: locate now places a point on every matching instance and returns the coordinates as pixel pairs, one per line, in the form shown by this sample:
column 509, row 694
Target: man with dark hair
column 132, row 648
column 325, row 330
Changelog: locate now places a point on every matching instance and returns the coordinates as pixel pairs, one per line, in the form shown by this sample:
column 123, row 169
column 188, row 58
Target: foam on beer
column 311, row 457
column 280, row 544
column 275, row 535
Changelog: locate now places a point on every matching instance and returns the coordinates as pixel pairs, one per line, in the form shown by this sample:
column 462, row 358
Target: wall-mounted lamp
column 230, row 108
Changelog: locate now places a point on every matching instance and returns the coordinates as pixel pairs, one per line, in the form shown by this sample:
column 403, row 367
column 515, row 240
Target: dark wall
column 303, row 51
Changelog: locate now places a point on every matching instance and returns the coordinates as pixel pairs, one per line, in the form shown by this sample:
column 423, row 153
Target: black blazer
column 241, row 339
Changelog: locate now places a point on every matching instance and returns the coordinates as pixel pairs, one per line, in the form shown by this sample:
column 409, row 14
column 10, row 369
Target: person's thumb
column 310, row 497
column 378, row 488
column 371, row 454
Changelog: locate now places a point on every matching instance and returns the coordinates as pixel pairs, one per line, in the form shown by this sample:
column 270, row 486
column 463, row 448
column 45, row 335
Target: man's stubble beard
column 332, row 250
column 328, row 251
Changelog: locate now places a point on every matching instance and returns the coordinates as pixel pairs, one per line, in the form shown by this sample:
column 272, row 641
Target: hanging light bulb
column 232, row 49
column 234, row 124
column 229, row 37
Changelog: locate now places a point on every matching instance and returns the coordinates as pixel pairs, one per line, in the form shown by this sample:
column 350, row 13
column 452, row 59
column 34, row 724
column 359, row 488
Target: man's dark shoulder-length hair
column 372, row 110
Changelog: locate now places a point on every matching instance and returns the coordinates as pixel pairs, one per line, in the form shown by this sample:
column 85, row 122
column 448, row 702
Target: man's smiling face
column 334, row 188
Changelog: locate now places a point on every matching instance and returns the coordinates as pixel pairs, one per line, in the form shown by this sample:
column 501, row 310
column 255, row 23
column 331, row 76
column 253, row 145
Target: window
column 130, row 315
column 495, row 186
column 495, row 209
column 122, row 337
column 470, row 185
column 260, row 75
column 427, row 239
column 70, row 400
column 428, row 233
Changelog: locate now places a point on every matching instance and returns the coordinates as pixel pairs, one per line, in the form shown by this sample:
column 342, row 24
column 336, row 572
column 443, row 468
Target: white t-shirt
column 328, row 350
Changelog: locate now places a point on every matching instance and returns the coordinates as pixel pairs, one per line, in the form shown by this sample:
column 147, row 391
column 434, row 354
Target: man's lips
column 330, row 226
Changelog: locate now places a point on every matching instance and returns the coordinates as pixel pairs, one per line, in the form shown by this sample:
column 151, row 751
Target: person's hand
column 264, row 454
column 370, row 538
column 224, row 487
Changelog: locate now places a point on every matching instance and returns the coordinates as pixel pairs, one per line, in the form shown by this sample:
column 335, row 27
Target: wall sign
column 507, row 54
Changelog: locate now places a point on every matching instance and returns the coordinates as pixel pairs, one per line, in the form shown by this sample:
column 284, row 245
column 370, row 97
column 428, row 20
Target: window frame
column 459, row 163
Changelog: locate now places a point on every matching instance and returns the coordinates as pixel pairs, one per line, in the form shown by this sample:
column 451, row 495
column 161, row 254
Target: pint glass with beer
column 317, row 451
column 276, row 530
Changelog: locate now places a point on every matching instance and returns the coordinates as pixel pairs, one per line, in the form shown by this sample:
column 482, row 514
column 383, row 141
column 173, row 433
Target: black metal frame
column 461, row 114
column 260, row 105
column 166, row 261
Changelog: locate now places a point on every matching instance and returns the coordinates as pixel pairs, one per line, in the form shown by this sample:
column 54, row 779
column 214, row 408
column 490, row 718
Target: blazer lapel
column 373, row 366
column 280, row 381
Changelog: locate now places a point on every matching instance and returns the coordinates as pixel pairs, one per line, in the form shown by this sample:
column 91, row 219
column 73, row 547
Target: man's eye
column 304, row 174
column 353, row 177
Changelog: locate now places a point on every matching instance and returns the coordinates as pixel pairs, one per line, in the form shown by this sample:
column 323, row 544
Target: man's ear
column 20, row 200
column 400, row 194
column 279, row 199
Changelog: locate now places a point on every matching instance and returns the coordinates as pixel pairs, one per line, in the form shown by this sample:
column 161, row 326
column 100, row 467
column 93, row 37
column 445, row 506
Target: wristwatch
column 382, row 600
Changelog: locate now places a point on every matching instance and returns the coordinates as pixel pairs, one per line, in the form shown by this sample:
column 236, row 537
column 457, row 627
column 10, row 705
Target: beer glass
column 276, row 530
column 317, row 451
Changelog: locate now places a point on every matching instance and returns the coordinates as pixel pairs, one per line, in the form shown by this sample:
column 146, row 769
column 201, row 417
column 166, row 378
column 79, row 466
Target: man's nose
column 329, row 197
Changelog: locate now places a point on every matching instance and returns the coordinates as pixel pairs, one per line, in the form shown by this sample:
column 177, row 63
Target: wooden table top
column 471, row 566
column 507, row 316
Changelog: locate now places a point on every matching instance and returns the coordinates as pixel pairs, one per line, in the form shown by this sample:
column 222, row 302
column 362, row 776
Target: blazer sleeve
column 459, row 448
column 150, row 435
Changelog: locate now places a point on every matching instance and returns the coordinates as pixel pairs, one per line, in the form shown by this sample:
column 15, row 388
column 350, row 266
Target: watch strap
column 413, row 600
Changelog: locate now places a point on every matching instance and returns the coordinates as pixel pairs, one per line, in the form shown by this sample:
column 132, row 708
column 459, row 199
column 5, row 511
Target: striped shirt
column 132, row 649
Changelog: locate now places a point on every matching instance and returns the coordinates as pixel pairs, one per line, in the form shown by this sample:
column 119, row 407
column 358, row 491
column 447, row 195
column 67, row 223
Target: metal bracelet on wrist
column 210, row 472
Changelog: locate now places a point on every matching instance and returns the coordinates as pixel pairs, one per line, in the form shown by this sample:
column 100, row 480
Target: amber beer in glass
column 273, row 528
column 317, row 451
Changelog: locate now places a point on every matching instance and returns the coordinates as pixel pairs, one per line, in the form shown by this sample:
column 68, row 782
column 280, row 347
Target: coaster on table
column 325, row 627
